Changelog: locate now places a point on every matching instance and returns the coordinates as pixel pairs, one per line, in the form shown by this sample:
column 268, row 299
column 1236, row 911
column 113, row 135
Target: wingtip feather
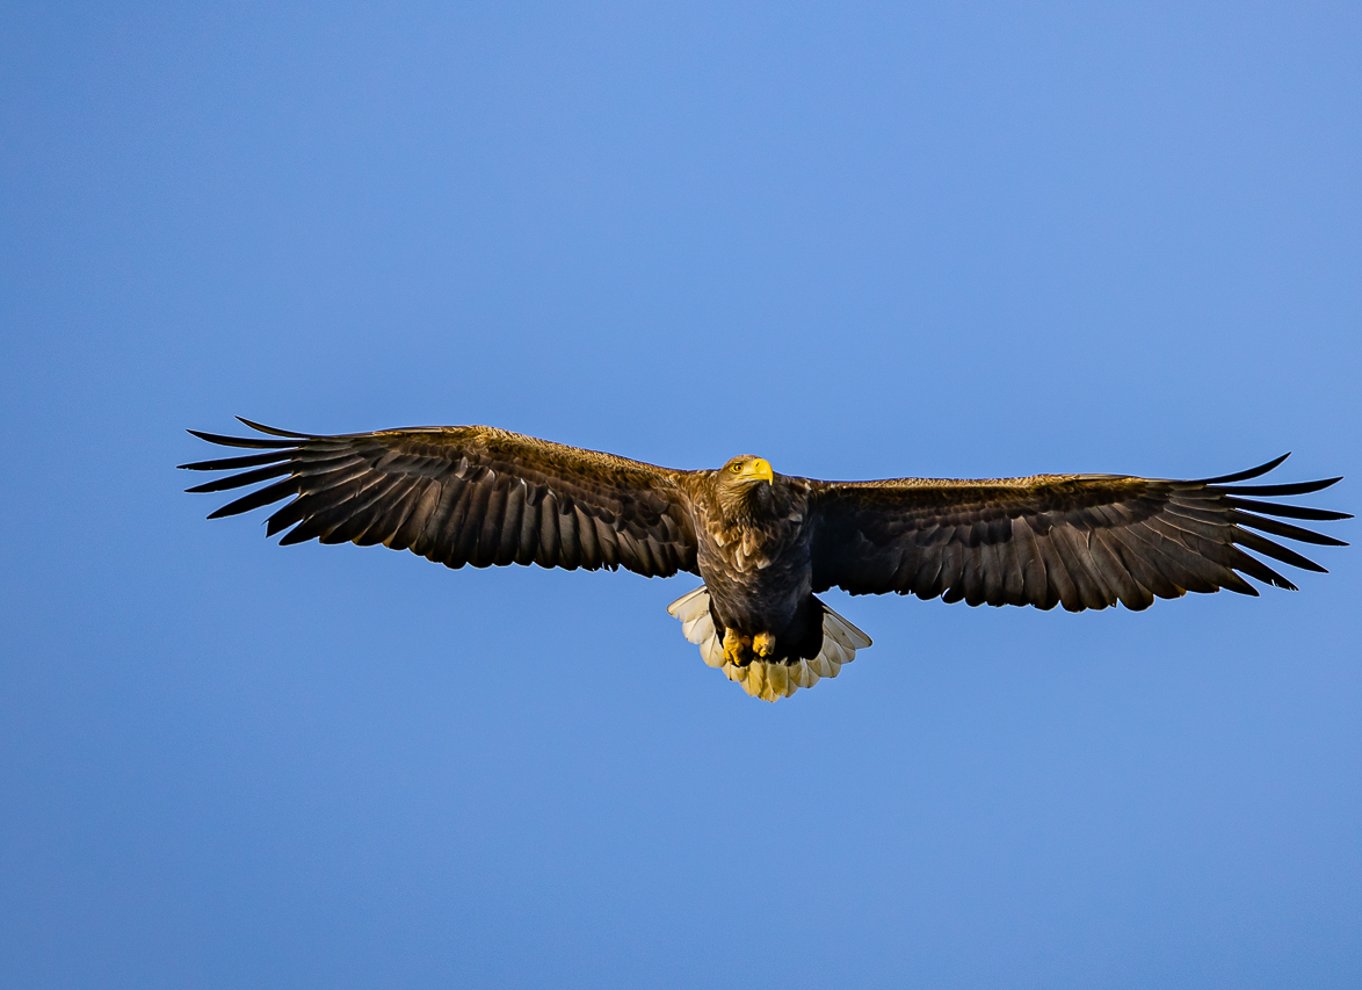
column 275, row 431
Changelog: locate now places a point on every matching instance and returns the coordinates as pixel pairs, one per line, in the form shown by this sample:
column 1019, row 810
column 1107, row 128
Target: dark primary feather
column 462, row 495
column 1083, row 541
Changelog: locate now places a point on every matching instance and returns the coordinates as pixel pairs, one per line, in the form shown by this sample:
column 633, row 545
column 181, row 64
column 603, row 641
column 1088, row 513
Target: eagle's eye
column 735, row 468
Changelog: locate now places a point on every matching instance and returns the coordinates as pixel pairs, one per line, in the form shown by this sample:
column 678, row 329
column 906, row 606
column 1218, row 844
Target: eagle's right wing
column 463, row 495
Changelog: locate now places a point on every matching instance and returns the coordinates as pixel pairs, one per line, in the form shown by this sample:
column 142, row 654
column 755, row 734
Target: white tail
column 760, row 679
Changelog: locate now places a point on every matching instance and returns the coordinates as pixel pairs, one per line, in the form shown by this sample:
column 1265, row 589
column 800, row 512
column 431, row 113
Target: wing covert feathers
column 460, row 495
column 1080, row 541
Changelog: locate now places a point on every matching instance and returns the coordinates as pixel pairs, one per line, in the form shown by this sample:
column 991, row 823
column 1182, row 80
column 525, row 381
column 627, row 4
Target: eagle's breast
column 753, row 545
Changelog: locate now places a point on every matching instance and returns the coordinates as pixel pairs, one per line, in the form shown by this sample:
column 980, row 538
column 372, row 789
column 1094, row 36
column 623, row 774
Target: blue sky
column 861, row 240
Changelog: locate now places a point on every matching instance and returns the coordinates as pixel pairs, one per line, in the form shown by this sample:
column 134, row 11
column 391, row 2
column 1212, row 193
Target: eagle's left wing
column 1082, row 540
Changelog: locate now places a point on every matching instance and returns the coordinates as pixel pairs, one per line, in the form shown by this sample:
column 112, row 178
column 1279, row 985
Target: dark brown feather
column 1083, row 541
column 462, row 495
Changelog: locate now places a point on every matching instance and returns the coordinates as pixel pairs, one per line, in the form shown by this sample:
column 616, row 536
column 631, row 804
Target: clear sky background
column 862, row 240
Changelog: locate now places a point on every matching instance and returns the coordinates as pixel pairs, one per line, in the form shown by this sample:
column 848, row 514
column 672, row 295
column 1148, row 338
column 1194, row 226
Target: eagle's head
column 745, row 482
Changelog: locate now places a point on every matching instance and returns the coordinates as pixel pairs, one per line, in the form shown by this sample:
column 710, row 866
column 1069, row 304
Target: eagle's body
column 754, row 554
column 764, row 543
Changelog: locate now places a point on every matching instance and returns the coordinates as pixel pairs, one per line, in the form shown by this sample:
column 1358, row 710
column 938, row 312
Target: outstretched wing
column 463, row 495
column 1083, row 541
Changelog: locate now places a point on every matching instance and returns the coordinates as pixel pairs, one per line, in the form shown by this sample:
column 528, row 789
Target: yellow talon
column 764, row 645
column 737, row 649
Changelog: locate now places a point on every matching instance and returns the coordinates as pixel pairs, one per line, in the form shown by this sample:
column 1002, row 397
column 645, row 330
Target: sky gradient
column 860, row 240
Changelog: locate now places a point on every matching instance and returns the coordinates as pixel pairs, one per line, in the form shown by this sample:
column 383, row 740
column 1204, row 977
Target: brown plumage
column 764, row 543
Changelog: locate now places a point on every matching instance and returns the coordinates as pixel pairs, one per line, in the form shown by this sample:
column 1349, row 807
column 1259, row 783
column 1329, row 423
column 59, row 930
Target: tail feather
column 697, row 625
column 762, row 679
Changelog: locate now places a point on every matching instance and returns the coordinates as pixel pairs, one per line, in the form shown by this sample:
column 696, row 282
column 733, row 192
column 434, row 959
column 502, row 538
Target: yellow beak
column 761, row 470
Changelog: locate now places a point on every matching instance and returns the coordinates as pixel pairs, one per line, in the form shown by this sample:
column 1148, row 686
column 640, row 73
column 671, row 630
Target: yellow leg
column 764, row 645
column 737, row 649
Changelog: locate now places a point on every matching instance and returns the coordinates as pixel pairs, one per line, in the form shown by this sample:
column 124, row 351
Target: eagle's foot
column 764, row 645
column 737, row 648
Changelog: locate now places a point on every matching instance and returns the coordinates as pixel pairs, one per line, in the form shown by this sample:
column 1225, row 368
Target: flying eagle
column 766, row 543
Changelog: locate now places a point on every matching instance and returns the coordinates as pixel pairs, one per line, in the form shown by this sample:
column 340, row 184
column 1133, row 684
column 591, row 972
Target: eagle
column 766, row 544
